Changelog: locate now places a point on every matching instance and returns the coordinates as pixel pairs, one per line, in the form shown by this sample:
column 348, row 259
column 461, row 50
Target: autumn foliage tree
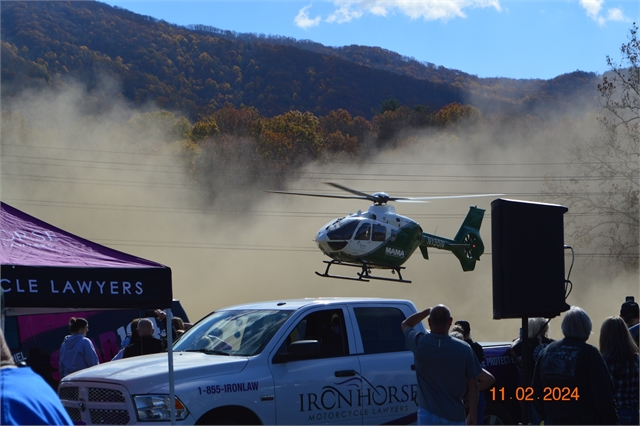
column 391, row 122
column 343, row 133
column 236, row 122
column 290, row 138
column 204, row 128
column 456, row 113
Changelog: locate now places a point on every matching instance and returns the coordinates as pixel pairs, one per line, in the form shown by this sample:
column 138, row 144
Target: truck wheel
column 232, row 415
column 496, row 414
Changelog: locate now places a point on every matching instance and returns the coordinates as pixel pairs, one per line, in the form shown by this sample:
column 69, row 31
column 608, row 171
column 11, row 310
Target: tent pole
column 172, row 391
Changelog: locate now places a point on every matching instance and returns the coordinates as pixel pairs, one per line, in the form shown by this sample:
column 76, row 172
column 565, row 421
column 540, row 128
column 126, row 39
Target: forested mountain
column 511, row 90
column 198, row 70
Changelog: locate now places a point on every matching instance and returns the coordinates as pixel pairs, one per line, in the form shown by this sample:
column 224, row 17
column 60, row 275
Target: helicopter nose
column 322, row 240
column 327, row 246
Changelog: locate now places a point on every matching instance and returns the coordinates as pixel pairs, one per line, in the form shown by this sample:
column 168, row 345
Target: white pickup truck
column 309, row 361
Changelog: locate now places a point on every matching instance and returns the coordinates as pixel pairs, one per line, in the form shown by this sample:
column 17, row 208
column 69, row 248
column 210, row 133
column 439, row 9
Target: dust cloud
column 106, row 177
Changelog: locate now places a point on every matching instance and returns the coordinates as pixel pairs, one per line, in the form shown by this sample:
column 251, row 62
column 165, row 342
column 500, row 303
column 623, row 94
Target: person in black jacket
column 630, row 313
column 464, row 327
column 571, row 381
column 147, row 344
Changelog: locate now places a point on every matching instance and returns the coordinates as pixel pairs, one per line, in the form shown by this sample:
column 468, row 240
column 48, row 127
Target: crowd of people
column 77, row 351
column 450, row 379
column 601, row 384
column 26, row 399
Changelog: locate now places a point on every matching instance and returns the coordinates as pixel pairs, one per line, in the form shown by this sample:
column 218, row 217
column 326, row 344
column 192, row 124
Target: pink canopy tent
column 46, row 267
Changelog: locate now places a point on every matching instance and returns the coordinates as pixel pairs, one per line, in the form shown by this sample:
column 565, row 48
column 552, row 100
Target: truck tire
column 497, row 414
column 231, row 415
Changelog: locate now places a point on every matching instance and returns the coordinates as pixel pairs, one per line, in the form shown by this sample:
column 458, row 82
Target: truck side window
column 380, row 329
column 327, row 327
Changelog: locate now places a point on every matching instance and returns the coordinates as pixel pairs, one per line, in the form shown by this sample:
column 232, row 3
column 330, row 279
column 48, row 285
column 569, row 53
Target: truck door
column 389, row 382
column 322, row 386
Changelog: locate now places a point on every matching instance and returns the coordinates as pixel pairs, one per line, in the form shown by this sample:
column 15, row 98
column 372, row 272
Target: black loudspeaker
column 527, row 259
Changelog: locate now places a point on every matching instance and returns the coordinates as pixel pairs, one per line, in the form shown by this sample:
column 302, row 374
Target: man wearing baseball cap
column 629, row 313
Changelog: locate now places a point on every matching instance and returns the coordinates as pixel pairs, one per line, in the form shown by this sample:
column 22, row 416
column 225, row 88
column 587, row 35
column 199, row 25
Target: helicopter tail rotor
column 469, row 246
column 472, row 251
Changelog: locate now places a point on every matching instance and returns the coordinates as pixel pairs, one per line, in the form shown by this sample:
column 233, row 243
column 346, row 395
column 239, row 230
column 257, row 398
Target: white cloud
column 429, row 10
column 344, row 14
column 616, row 14
column 303, row 21
column 594, row 9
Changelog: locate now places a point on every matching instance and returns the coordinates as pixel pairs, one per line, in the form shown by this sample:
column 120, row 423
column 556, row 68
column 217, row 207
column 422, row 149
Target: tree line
column 285, row 142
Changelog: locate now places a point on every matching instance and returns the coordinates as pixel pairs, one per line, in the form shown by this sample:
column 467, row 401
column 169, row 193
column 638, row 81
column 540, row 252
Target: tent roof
column 27, row 240
column 45, row 266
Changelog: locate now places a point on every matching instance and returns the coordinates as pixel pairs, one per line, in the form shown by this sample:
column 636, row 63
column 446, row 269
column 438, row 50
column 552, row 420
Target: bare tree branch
column 606, row 195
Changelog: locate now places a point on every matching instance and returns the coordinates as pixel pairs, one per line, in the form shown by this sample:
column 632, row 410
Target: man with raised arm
column 446, row 368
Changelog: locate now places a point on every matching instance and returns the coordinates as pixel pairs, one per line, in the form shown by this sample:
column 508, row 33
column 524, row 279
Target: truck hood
column 150, row 373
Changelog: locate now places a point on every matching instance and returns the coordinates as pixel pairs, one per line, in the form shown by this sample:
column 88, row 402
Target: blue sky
column 488, row 38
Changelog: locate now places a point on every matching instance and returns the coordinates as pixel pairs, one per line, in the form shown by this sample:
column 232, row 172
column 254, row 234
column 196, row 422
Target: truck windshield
column 241, row 332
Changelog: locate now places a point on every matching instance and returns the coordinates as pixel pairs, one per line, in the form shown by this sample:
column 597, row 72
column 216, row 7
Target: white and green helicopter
column 382, row 239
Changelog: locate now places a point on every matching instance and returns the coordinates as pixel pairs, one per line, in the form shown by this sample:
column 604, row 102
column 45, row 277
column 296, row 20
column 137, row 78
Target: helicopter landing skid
column 364, row 275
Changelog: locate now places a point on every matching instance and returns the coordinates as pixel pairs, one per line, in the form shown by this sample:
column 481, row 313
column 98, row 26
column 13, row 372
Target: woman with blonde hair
column 620, row 353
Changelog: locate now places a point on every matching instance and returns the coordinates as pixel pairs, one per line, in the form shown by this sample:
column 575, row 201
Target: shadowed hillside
column 198, row 70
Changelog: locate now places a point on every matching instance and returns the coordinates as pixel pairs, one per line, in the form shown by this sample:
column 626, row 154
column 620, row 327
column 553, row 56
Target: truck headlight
column 153, row 408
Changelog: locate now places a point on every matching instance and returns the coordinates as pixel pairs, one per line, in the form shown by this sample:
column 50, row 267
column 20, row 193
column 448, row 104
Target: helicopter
column 382, row 239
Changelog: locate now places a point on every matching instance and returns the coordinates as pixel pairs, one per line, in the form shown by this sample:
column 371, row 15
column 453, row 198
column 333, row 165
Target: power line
column 293, row 249
column 385, row 163
column 134, row 166
column 93, row 151
column 379, row 177
column 86, row 181
column 218, row 211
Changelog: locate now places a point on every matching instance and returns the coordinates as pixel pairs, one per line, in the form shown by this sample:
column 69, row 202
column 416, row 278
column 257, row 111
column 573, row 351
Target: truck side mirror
column 297, row 351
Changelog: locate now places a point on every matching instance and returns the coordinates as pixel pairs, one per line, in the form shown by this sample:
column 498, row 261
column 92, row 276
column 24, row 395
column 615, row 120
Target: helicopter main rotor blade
column 441, row 197
column 353, row 191
column 379, row 197
column 320, row 195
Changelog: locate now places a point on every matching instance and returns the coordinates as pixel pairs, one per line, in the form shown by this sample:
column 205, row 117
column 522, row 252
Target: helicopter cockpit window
column 379, row 232
column 364, row 232
column 344, row 231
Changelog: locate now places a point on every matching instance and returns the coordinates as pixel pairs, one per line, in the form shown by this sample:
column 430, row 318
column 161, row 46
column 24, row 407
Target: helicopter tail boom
column 467, row 245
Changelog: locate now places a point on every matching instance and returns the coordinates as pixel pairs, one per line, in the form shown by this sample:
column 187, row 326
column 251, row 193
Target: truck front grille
column 97, row 403
column 69, row 393
column 74, row 413
column 109, row 417
column 105, row 395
